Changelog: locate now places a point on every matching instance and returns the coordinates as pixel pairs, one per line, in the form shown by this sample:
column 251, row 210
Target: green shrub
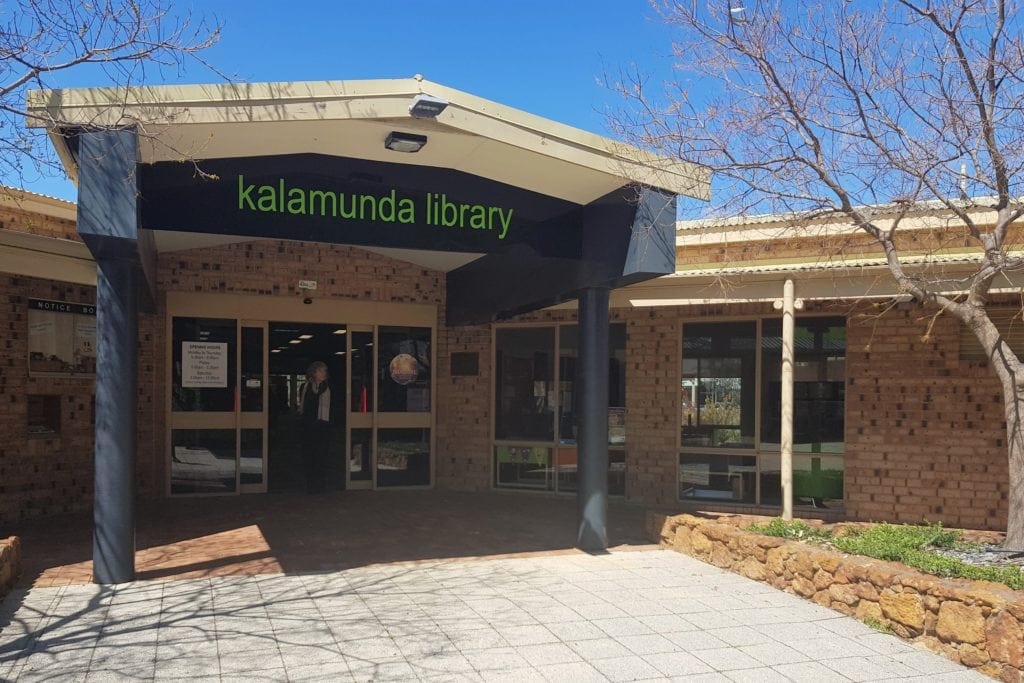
column 795, row 529
column 877, row 625
column 908, row 544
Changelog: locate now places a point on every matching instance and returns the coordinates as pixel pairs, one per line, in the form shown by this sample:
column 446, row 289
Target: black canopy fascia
column 536, row 250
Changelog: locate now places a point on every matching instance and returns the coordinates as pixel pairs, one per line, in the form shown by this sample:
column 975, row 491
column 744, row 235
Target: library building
column 309, row 287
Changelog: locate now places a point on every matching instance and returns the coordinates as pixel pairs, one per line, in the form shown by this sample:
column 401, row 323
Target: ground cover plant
column 919, row 546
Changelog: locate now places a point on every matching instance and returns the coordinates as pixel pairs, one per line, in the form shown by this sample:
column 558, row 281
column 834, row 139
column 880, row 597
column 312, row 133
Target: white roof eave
column 370, row 99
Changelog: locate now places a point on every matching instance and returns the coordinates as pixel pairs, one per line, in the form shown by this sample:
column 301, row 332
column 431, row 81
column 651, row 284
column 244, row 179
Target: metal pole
column 113, row 549
column 786, row 438
column 592, row 468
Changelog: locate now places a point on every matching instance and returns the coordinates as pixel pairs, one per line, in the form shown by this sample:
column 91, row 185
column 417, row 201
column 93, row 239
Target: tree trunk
column 1014, row 409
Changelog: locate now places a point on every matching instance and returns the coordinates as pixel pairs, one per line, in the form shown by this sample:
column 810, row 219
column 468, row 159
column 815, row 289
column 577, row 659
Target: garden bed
column 975, row 622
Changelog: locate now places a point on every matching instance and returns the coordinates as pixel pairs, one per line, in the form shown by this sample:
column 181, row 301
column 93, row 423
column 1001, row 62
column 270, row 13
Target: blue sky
column 544, row 57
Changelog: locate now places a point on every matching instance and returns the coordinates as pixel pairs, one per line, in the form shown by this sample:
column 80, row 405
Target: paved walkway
column 299, row 534
column 631, row 615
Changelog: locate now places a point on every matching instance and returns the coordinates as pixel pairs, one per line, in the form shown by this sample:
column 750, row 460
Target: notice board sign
column 61, row 338
column 204, row 365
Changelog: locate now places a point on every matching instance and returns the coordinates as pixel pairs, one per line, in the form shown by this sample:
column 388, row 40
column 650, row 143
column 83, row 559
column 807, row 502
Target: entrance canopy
column 523, row 212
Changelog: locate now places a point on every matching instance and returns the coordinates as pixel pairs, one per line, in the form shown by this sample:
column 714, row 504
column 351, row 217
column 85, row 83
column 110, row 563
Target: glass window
column 718, row 384
column 403, row 365
column 203, row 356
column 817, row 480
column 568, row 374
column 252, row 369
column 566, row 470
column 819, row 385
column 403, row 457
column 359, row 461
column 567, row 460
column 726, row 478
column 362, row 372
column 250, row 464
column 616, row 473
column 523, row 467
column 526, row 398
column 524, row 367
column 202, row 461
column 43, row 415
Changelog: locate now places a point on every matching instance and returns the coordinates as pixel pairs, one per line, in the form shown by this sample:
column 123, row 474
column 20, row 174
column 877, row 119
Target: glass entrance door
column 361, row 443
column 218, row 417
column 307, row 443
column 252, row 408
column 390, row 404
column 242, row 418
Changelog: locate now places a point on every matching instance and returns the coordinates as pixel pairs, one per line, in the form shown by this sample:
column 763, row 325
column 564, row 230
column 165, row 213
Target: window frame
column 756, row 451
column 555, row 443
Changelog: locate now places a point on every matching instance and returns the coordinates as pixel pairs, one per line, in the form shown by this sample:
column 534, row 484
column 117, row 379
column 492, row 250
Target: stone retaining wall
column 976, row 623
column 10, row 563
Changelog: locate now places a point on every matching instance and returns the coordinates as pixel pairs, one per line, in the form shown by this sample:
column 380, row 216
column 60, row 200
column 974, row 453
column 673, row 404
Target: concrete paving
column 632, row 615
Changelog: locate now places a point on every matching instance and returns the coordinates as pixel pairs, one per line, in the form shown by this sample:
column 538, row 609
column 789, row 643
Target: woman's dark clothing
column 316, row 434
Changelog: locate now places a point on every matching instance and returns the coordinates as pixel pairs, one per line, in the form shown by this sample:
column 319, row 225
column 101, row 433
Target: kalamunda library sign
column 434, row 208
column 354, row 201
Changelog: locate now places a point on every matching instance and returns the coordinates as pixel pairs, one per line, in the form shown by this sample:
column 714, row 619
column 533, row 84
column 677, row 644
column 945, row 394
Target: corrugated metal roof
column 9, row 190
column 882, row 210
column 710, row 270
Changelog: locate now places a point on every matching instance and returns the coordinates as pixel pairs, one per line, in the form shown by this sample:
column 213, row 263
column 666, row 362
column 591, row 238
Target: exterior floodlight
column 405, row 142
column 426, row 107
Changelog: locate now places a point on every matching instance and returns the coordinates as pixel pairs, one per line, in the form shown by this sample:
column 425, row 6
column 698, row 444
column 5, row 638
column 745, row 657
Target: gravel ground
column 985, row 556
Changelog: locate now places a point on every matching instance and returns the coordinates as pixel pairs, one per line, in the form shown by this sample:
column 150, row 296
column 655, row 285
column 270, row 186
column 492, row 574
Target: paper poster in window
column 204, row 365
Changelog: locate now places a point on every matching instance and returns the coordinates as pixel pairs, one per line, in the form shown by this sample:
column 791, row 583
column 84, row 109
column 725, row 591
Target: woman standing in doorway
column 316, row 423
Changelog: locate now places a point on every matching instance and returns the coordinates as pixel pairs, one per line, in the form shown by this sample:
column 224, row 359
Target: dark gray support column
column 592, row 472
column 108, row 224
column 113, row 547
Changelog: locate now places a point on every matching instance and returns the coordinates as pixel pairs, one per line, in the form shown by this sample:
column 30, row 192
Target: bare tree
column 114, row 43
column 862, row 112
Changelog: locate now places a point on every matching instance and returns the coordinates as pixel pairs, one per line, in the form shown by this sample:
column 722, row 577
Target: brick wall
column 924, row 430
column 652, row 401
column 464, row 406
column 40, row 475
column 20, row 220
column 925, row 435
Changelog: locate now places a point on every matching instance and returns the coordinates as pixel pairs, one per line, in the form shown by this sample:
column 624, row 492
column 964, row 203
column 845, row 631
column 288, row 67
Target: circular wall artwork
column 404, row 369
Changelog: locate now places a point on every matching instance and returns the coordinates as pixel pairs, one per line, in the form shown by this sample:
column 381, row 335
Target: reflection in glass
column 616, row 472
column 202, row 461
column 566, row 469
column 362, row 372
column 819, row 384
column 403, row 365
column 359, row 455
column 817, row 480
column 403, row 457
column 566, row 466
column 524, row 383
column 523, row 467
column 211, row 358
column 730, row 478
column 252, row 369
column 718, row 385
column 250, row 463
column 568, row 374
